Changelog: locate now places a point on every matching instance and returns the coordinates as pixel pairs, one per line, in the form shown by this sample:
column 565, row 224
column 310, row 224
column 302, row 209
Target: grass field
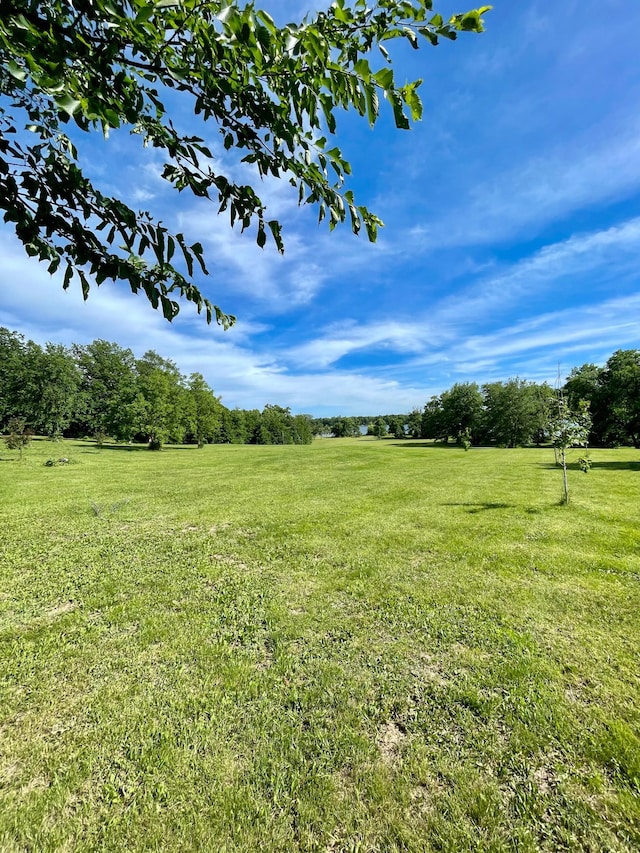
column 356, row 645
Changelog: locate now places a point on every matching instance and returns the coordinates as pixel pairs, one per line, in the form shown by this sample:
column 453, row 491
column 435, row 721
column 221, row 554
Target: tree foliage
column 204, row 410
column 111, row 399
column 613, row 394
column 101, row 390
column 273, row 93
column 513, row 411
column 345, row 427
column 462, row 411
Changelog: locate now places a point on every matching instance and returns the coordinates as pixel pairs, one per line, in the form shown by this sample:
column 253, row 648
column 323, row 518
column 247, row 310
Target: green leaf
column 274, row 227
column 373, row 104
column 16, row 71
column 67, row 277
column 384, row 78
column 85, row 285
column 362, row 69
column 411, row 37
column 67, row 103
column 145, row 13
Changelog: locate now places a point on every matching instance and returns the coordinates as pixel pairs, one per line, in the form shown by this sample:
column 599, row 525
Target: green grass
column 353, row 646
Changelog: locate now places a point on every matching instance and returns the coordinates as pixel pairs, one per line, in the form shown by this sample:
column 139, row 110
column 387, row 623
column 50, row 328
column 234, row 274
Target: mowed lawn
column 357, row 645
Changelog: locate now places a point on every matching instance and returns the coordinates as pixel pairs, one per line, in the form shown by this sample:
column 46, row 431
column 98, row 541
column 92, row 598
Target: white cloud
column 449, row 325
column 613, row 251
column 345, row 338
column 543, row 189
column 533, row 348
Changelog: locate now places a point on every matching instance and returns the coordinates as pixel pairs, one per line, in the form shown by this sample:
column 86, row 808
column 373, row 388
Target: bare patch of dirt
column 390, row 739
column 545, row 776
column 423, row 796
column 428, row 670
column 266, row 656
column 38, row 783
column 60, row 610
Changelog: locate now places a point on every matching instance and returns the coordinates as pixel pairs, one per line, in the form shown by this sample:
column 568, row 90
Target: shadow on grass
column 626, row 465
column 137, row 448
column 623, row 465
column 411, row 444
column 474, row 507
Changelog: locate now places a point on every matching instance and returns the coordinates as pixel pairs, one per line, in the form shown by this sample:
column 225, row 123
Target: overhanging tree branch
column 272, row 92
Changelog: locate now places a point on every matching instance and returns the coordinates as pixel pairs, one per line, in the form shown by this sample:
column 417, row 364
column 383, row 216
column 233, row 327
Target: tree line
column 518, row 412
column 102, row 390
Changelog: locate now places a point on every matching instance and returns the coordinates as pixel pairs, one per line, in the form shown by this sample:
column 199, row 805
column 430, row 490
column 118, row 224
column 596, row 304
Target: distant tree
column 54, row 385
column 275, row 427
column 315, row 425
column 233, row 427
column 414, row 423
column 461, row 411
column 18, row 435
column 345, row 428
column 302, row 429
column 396, row 426
column 164, row 414
column 278, row 426
column 583, row 383
column 511, row 411
column 544, row 403
column 588, row 383
column 13, row 382
column 379, row 428
column 112, row 404
column 248, row 423
column 433, row 425
column 620, row 385
column 203, row 410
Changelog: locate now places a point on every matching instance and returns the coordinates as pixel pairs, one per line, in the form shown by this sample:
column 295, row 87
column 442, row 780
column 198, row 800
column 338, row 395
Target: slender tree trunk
column 565, row 482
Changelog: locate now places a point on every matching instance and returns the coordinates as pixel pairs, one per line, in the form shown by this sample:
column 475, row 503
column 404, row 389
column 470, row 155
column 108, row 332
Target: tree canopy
column 272, row 92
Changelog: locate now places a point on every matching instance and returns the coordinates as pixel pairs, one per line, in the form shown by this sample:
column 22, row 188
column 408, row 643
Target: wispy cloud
column 556, row 268
column 506, row 294
column 346, row 338
column 524, row 199
column 533, row 348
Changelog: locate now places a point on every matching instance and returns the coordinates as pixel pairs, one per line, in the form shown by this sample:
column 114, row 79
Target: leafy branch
column 272, row 93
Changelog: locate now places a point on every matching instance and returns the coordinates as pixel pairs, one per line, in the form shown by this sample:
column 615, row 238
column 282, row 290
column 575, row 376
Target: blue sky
column 511, row 246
